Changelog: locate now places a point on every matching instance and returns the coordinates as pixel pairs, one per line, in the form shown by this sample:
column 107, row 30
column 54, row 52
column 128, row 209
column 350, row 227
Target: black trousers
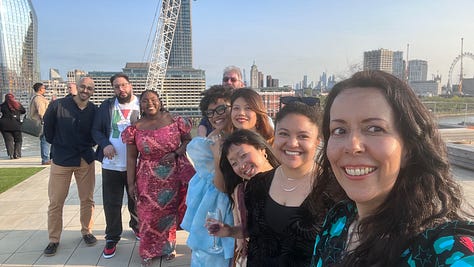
column 113, row 184
column 13, row 140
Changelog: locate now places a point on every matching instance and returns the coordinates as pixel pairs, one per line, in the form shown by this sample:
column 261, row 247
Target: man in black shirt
column 67, row 127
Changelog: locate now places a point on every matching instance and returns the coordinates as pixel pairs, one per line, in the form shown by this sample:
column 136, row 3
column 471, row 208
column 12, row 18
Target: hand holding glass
column 213, row 222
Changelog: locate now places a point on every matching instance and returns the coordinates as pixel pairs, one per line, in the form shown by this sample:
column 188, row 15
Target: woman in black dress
column 10, row 125
column 284, row 214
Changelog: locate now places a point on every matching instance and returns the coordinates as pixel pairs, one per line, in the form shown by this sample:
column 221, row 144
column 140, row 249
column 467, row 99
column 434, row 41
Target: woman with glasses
column 159, row 179
column 384, row 152
column 203, row 196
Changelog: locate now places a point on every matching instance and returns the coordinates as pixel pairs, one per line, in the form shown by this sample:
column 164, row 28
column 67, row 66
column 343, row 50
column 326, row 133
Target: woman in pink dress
column 159, row 179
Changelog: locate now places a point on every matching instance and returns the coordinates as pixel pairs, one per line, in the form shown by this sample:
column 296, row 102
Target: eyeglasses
column 232, row 79
column 310, row 101
column 84, row 87
column 118, row 86
column 218, row 110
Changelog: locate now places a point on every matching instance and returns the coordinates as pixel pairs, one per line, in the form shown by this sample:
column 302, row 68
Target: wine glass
column 213, row 221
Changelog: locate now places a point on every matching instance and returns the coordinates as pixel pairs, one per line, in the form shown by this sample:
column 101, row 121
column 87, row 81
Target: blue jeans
column 44, row 146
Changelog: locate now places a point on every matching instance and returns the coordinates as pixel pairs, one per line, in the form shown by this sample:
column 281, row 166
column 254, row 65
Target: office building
column 271, row 98
column 426, row 88
column 385, row 60
column 19, row 65
column 260, row 80
column 181, row 54
column 181, row 92
column 254, row 76
column 381, row 59
column 183, row 84
column 398, row 65
column 417, row 70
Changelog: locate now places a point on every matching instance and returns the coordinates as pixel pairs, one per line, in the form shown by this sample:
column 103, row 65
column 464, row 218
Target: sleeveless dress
column 161, row 189
column 202, row 197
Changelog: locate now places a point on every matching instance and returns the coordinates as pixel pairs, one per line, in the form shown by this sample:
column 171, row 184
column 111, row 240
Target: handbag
column 32, row 127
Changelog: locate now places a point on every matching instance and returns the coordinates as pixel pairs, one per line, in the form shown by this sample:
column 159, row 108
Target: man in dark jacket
column 115, row 114
column 67, row 124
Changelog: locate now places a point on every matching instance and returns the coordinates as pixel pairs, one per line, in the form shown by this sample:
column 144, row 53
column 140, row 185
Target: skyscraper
column 385, row 60
column 19, row 65
column 253, row 76
column 398, row 65
column 417, row 70
column 381, row 59
column 183, row 84
column 181, row 54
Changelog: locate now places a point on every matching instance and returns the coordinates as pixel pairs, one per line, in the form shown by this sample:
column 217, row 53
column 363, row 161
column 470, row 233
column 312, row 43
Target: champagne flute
column 213, row 221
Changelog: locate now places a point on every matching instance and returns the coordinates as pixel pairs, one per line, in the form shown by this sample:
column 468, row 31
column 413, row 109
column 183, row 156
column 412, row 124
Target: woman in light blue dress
column 203, row 196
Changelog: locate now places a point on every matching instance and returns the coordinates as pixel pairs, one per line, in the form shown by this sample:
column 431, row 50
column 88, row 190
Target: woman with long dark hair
column 383, row 151
column 10, row 125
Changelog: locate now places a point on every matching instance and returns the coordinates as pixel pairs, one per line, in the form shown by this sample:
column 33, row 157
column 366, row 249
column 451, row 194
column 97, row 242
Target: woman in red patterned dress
column 159, row 179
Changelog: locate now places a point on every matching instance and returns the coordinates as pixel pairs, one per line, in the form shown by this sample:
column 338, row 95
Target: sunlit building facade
column 19, row 65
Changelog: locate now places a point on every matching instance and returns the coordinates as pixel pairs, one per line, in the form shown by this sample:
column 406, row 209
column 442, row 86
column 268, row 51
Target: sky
column 285, row 39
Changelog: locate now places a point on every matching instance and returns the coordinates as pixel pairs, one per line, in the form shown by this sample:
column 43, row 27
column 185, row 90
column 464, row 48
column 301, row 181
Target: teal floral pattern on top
column 448, row 244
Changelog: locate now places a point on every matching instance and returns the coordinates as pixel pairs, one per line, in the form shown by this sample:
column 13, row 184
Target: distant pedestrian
column 71, row 88
column 114, row 115
column 67, row 126
column 10, row 125
column 38, row 106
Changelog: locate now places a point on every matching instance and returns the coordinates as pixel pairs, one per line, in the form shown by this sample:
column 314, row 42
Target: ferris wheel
column 459, row 58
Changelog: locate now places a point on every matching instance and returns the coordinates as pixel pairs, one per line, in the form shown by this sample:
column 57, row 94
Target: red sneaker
column 109, row 250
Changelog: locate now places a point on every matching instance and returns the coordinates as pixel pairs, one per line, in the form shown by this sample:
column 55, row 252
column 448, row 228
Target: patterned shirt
column 448, row 244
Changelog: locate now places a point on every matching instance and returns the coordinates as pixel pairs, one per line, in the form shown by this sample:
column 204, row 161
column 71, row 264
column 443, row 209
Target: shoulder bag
column 31, row 126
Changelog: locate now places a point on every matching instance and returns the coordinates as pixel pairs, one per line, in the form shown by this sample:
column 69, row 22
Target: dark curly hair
column 424, row 194
column 212, row 94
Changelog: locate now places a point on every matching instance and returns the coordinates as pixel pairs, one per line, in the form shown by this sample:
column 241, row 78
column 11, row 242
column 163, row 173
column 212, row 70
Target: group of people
column 142, row 148
column 365, row 181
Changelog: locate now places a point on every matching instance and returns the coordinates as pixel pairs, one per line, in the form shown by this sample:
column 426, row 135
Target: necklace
column 289, row 179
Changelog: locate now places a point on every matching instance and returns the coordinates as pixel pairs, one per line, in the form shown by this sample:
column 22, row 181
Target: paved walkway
column 23, row 229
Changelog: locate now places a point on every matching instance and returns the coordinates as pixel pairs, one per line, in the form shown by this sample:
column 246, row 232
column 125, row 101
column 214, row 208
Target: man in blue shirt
column 67, row 127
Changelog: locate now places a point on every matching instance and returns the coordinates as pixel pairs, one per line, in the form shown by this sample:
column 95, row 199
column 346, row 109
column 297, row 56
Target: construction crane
column 162, row 43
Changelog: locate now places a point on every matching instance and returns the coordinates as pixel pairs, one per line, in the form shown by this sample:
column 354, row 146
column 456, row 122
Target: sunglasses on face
column 219, row 110
column 310, row 101
column 232, row 79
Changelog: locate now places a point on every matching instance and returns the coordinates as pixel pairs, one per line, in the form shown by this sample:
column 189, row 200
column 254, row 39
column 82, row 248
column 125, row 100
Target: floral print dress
column 448, row 244
column 161, row 189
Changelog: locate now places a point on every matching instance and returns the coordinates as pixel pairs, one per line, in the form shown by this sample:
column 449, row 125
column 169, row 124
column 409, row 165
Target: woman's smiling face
column 365, row 148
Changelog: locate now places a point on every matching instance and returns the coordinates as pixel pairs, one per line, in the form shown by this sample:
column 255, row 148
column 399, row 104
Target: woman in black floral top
column 383, row 149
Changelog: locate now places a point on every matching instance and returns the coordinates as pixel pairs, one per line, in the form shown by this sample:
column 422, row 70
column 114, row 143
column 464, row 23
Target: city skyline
column 285, row 41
